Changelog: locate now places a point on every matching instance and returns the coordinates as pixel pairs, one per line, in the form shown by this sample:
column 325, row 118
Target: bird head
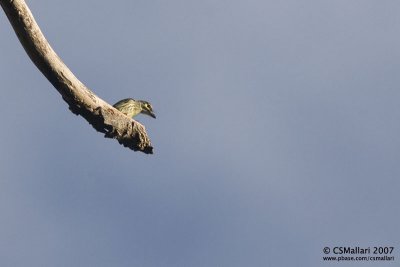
column 147, row 108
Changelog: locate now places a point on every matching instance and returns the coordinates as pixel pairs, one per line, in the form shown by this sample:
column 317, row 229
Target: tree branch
column 102, row 116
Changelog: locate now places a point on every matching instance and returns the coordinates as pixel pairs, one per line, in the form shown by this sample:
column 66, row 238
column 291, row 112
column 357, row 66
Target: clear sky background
column 277, row 134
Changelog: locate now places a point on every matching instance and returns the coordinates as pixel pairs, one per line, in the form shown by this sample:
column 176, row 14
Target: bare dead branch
column 102, row 116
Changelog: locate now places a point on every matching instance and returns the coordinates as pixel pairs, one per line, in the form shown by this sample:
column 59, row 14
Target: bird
column 131, row 107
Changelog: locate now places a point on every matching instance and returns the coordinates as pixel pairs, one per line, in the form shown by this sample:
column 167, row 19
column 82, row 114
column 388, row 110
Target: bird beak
column 150, row 113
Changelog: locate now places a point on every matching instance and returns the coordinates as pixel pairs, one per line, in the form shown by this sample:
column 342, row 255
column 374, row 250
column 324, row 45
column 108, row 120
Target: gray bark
column 82, row 101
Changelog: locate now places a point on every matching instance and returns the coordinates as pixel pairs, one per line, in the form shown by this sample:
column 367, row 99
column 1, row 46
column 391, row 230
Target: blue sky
column 277, row 134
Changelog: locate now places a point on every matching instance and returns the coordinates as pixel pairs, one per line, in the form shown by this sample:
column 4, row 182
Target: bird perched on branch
column 131, row 107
